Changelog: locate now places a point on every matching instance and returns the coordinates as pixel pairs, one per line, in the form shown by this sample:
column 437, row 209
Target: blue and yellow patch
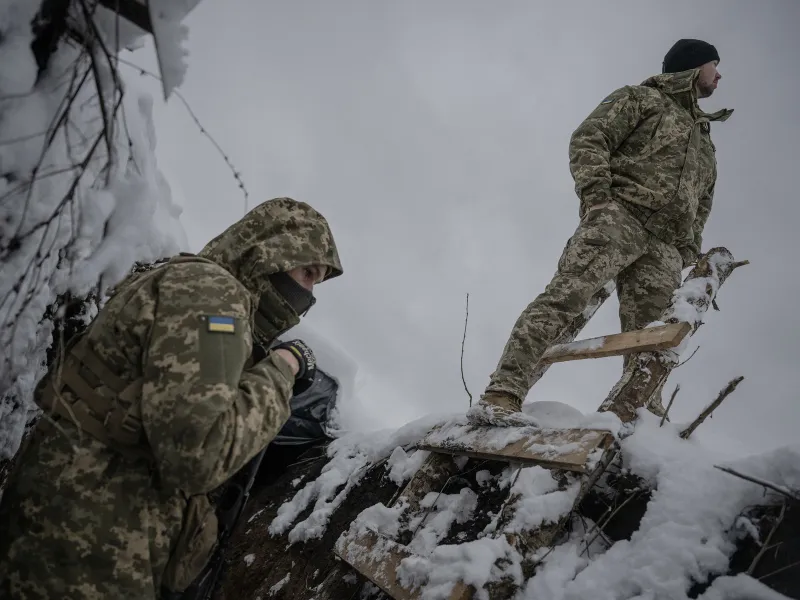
column 221, row 324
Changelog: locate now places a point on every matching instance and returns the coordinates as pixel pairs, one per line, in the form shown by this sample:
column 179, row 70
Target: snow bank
column 688, row 533
column 78, row 203
column 350, row 457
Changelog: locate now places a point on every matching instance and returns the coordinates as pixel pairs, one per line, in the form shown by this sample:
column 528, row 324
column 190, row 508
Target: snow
column 740, row 587
column 67, row 228
column 169, row 35
column 403, row 465
column 279, row 586
column 441, row 511
column 350, row 457
column 688, row 533
column 587, row 344
column 541, row 500
column 690, row 302
column 249, row 558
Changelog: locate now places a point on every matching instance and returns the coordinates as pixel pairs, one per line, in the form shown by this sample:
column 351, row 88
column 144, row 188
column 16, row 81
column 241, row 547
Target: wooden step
column 567, row 449
column 651, row 339
column 378, row 558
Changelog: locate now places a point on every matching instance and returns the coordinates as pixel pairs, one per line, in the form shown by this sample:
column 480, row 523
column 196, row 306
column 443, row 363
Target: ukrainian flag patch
column 221, row 324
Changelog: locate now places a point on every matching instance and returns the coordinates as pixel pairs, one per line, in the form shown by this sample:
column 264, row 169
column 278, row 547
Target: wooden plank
column 642, row 340
column 567, row 449
column 377, row 558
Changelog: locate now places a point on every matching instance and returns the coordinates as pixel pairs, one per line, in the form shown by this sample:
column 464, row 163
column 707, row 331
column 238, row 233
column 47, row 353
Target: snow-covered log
column 645, row 376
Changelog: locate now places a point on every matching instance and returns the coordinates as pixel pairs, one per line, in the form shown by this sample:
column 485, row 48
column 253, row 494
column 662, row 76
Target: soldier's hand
column 306, row 361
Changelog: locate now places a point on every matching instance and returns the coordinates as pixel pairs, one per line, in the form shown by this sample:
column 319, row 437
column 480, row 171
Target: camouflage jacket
column 79, row 519
column 649, row 146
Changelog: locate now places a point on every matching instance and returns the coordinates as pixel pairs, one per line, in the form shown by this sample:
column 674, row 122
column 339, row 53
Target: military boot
column 499, row 409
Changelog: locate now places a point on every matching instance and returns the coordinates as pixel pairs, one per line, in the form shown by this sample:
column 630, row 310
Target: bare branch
column 765, row 546
column 671, row 400
column 463, row 341
column 710, row 408
column 772, row 486
column 680, row 364
column 782, row 569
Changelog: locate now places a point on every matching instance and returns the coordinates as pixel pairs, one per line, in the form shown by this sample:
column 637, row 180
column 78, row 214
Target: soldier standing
column 644, row 168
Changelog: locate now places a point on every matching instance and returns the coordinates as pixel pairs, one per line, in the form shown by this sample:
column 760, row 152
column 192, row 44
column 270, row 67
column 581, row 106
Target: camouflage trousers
column 610, row 244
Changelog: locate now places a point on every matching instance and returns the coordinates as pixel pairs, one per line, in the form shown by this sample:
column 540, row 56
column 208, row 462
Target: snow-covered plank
column 378, row 558
column 651, row 339
column 567, row 449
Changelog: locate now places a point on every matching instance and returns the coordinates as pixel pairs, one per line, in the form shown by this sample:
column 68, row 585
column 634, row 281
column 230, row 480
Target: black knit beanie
column 688, row 54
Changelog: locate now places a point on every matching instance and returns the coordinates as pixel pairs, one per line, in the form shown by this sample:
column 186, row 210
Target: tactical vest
column 84, row 391
column 112, row 419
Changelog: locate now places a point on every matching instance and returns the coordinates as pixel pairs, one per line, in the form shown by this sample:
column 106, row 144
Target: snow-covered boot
column 499, row 409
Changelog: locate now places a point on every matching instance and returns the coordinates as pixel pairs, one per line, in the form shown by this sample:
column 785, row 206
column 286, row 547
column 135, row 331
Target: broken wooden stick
column 724, row 393
column 643, row 340
column 762, row 482
column 671, row 400
column 645, row 376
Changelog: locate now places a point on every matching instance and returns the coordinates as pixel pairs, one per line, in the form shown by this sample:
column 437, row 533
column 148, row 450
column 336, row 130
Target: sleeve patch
column 219, row 324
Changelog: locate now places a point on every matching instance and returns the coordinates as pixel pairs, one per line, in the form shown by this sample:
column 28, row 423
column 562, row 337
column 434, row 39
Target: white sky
column 433, row 136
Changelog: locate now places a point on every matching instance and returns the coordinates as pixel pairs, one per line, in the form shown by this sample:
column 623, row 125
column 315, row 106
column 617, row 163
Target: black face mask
column 298, row 297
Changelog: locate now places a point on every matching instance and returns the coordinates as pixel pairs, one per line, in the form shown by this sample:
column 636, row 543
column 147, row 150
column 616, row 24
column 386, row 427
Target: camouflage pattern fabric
column 649, row 146
column 645, row 154
column 79, row 520
column 609, row 243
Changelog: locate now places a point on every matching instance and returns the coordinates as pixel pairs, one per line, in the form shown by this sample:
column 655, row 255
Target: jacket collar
column 681, row 87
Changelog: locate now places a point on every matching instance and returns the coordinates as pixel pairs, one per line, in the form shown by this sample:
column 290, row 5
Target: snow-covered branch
column 81, row 196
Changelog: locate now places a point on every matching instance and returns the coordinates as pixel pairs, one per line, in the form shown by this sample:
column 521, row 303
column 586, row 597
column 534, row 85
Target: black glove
column 307, row 361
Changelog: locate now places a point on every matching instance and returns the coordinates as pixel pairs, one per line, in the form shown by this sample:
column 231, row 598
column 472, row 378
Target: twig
column 671, row 400
column 710, row 408
column 680, row 364
column 774, row 487
column 236, row 175
column 600, row 527
column 463, row 341
column 776, row 571
column 765, row 546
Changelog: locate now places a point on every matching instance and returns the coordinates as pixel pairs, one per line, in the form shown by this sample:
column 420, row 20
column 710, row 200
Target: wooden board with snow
column 650, row 339
column 378, row 558
column 567, row 449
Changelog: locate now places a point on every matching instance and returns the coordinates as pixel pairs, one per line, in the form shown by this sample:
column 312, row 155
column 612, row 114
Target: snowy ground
column 688, row 532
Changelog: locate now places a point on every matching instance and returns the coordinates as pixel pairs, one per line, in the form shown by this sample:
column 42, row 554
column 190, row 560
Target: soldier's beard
column 704, row 90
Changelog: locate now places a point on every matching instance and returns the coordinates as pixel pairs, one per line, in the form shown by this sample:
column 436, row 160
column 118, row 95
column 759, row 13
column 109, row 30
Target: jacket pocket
column 194, row 546
column 582, row 249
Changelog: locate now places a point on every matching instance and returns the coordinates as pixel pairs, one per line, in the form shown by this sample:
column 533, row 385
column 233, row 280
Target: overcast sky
column 434, row 137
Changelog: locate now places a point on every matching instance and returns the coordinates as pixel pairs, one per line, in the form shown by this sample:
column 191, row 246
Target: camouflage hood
column 276, row 236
